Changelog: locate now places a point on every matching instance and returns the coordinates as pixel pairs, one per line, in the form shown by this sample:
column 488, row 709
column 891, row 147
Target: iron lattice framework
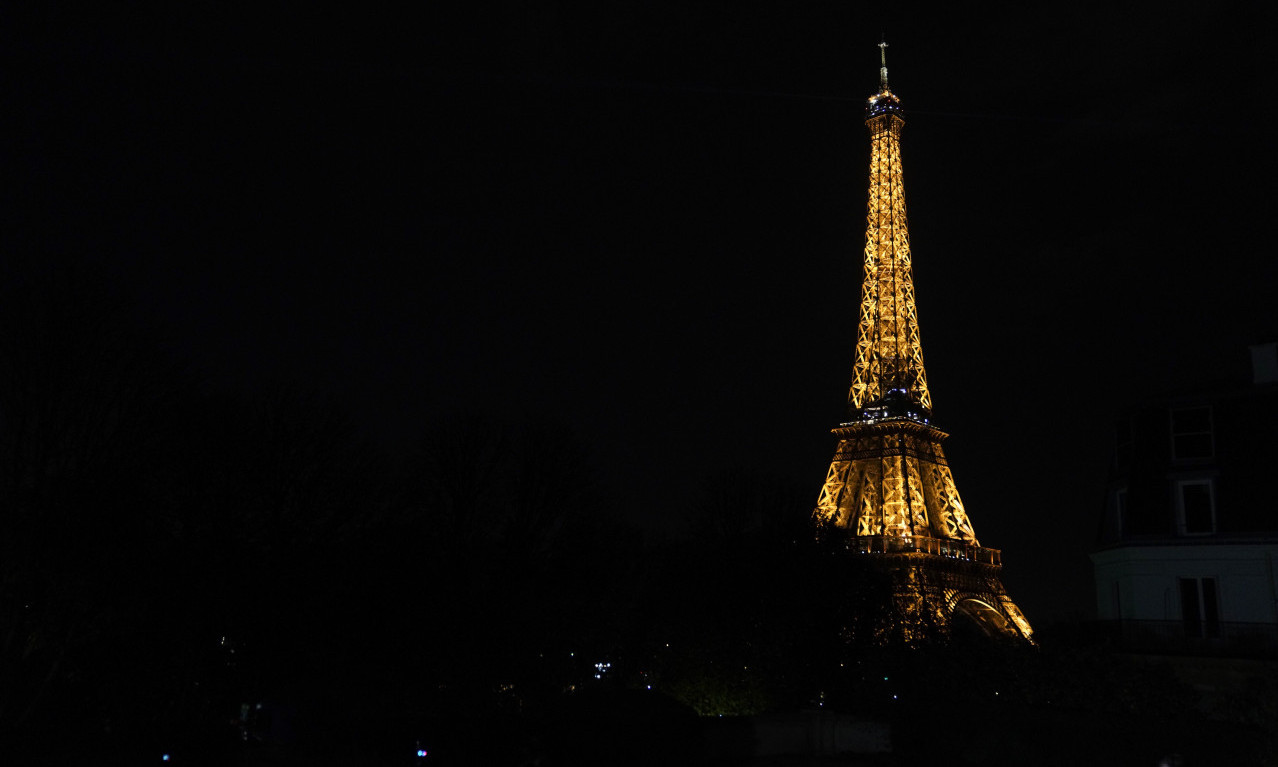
column 889, row 491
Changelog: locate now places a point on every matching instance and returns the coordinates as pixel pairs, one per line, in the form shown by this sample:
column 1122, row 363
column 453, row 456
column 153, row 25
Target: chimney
column 1264, row 363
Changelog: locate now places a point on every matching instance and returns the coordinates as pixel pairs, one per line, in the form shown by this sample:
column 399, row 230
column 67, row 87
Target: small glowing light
column 421, row 753
column 164, row 758
column 650, row 687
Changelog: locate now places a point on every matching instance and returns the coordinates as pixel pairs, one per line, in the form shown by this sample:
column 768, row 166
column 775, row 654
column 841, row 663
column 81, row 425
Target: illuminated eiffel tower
column 889, row 494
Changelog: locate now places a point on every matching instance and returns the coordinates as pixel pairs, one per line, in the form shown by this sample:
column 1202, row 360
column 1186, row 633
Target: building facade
column 1187, row 556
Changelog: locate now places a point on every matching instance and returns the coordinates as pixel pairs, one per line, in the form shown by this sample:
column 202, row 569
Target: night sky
column 645, row 221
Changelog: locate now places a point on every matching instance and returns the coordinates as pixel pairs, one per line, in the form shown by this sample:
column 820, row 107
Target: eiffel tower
column 889, row 493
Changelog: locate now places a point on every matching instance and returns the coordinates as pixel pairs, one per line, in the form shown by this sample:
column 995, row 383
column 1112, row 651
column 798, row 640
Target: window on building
column 1191, row 433
column 1195, row 507
column 1199, row 611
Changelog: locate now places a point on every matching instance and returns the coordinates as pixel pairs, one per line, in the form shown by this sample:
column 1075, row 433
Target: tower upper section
column 888, row 377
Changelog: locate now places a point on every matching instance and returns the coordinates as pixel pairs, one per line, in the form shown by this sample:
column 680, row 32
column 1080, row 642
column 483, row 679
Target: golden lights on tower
column 889, row 489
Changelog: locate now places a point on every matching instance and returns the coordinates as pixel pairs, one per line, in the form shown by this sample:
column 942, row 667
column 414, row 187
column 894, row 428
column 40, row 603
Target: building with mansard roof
column 1187, row 557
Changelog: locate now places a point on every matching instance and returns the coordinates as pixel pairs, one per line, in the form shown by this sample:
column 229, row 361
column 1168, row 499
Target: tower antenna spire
column 883, row 84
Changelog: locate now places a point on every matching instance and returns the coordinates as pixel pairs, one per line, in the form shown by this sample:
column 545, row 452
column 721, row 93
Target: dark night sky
column 646, row 221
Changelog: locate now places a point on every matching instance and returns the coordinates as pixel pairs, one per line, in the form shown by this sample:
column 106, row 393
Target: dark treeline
column 173, row 556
